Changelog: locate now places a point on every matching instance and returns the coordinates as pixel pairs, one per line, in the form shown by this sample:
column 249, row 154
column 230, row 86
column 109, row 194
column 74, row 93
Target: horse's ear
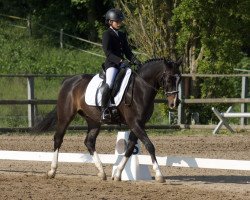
column 179, row 61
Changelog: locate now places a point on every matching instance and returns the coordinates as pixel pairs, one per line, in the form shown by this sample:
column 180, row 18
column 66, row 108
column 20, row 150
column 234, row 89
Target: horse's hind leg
column 132, row 141
column 90, row 141
column 64, row 118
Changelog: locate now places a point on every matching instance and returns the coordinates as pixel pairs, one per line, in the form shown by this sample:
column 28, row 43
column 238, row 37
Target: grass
column 22, row 54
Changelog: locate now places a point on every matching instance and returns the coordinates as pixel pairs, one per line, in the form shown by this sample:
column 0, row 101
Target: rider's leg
column 111, row 73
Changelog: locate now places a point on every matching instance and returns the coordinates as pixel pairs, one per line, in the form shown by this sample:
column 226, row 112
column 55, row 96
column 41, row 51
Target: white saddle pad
column 95, row 84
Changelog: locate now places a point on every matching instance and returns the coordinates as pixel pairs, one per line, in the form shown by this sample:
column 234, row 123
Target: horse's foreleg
column 130, row 148
column 54, row 165
column 58, row 139
column 62, row 124
column 141, row 134
column 90, row 141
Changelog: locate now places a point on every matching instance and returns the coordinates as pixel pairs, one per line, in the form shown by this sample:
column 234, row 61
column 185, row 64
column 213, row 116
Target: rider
column 115, row 46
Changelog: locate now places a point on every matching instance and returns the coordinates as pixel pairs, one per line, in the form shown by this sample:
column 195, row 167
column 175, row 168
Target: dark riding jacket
column 115, row 48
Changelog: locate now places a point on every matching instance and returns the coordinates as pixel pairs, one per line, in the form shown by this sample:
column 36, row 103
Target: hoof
column 102, row 176
column 116, row 178
column 160, row 179
column 51, row 174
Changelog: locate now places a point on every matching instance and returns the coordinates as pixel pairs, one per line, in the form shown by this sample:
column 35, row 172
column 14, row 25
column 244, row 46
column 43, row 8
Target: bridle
column 164, row 84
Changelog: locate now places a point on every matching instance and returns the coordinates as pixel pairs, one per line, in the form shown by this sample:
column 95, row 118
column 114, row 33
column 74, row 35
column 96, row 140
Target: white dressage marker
column 133, row 169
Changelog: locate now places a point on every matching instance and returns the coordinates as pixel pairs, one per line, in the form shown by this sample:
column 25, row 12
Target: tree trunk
column 91, row 19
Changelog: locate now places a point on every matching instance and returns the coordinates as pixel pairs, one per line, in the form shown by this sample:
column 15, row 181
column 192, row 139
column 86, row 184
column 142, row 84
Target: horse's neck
column 152, row 72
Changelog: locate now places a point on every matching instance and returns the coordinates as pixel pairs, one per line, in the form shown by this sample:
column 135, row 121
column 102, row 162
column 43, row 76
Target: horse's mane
column 154, row 60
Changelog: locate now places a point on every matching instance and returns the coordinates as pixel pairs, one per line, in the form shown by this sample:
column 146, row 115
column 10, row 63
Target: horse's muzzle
column 173, row 101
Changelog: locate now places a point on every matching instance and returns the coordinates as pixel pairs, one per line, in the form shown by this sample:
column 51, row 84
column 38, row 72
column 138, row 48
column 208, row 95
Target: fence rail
column 31, row 101
column 184, row 101
column 26, row 102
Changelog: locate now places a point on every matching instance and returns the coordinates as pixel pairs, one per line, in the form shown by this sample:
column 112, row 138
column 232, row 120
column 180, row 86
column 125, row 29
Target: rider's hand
column 136, row 62
column 124, row 64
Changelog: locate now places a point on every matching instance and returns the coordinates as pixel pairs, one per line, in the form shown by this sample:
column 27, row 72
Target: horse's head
column 170, row 82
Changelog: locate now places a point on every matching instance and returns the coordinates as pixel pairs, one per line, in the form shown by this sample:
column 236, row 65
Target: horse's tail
column 47, row 123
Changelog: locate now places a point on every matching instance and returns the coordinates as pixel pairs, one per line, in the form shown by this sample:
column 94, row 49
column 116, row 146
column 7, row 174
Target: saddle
column 117, row 82
column 93, row 93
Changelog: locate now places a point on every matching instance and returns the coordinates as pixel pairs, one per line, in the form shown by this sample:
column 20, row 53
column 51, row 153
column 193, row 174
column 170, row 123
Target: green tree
column 83, row 18
column 211, row 34
column 208, row 34
column 149, row 26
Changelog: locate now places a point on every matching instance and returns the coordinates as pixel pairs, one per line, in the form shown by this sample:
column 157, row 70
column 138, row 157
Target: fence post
column 61, row 38
column 31, row 96
column 29, row 25
column 180, row 107
column 243, row 107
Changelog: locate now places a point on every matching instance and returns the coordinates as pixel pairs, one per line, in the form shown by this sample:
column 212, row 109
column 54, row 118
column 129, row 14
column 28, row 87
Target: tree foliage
column 149, row 27
column 211, row 34
column 80, row 17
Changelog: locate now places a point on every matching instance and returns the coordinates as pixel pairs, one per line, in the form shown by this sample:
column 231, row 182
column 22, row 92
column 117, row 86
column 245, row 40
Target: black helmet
column 114, row 14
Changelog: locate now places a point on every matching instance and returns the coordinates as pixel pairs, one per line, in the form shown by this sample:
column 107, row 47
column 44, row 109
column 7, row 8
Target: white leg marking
column 98, row 162
column 158, row 175
column 99, row 166
column 157, row 169
column 119, row 169
column 54, row 164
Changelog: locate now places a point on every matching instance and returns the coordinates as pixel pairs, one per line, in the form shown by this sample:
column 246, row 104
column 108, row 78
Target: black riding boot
column 106, row 91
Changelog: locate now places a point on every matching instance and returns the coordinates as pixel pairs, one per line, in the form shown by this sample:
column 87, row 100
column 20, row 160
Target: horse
column 142, row 90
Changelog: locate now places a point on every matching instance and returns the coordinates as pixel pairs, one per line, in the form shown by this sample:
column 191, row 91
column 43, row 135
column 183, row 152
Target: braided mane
column 158, row 59
column 154, row 60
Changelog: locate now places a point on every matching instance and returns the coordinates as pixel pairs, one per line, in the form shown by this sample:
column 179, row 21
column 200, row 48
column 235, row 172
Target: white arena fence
column 173, row 161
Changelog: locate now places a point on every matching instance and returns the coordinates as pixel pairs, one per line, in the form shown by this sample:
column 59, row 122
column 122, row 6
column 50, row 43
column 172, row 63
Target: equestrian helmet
column 114, row 15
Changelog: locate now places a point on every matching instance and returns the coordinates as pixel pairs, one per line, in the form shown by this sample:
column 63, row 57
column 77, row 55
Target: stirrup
column 106, row 115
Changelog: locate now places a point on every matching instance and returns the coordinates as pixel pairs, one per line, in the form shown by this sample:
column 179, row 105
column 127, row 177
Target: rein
column 163, row 83
column 146, row 82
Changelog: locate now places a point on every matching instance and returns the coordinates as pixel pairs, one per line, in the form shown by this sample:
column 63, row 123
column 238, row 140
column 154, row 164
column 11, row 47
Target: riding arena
column 196, row 166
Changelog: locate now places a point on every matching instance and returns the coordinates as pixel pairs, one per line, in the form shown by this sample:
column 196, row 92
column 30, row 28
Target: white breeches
column 111, row 73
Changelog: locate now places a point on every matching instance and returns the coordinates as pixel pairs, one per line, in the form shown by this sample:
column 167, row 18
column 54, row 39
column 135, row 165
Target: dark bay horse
column 154, row 73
